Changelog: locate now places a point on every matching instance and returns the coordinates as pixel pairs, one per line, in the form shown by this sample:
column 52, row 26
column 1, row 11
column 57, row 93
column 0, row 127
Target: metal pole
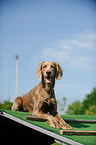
column 16, row 57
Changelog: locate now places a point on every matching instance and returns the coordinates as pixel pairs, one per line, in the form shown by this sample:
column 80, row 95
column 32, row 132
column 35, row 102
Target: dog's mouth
column 48, row 79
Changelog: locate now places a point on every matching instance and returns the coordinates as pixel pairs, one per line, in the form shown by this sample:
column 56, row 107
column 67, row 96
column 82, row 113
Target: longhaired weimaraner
column 41, row 99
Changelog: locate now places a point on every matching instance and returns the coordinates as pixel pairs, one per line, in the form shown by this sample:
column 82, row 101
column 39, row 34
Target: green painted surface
column 86, row 140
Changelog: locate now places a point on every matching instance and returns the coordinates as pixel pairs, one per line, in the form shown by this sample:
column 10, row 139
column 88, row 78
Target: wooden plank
column 77, row 132
column 79, row 121
column 34, row 118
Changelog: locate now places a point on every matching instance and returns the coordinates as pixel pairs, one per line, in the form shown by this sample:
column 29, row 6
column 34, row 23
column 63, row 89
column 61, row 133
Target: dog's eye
column 52, row 66
column 44, row 66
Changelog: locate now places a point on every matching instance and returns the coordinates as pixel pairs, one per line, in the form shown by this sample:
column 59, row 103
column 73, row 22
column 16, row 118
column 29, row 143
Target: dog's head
column 50, row 71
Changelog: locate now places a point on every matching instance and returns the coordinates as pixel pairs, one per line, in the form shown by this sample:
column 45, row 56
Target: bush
column 88, row 106
column 6, row 105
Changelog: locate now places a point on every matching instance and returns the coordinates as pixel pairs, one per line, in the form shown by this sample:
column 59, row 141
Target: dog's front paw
column 53, row 123
column 66, row 126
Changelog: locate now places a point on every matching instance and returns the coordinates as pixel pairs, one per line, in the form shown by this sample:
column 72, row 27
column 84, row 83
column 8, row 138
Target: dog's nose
column 48, row 72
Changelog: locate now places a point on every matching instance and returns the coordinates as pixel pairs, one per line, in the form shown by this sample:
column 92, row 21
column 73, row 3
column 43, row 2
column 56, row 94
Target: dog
column 41, row 99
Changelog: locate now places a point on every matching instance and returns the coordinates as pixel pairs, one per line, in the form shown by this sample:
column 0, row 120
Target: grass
column 86, row 140
column 55, row 144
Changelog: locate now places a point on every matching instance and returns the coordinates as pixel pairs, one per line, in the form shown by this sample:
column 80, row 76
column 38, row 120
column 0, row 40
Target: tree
column 91, row 110
column 6, row 105
column 74, row 108
column 88, row 106
column 90, row 100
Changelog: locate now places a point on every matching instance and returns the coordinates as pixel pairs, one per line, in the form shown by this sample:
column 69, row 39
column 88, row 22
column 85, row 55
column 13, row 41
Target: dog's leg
column 51, row 120
column 63, row 124
column 17, row 105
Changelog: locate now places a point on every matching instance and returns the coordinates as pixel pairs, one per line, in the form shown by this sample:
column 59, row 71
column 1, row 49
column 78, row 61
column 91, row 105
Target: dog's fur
column 41, row 99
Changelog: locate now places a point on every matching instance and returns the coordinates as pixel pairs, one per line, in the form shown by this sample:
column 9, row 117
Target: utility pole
column 16, row 57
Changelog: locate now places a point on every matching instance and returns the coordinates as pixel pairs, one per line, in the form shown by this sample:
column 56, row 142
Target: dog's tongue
column 48, row 80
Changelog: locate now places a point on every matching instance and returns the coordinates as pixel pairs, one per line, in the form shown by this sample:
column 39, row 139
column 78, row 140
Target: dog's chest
column 47, row 104
column 49, row 101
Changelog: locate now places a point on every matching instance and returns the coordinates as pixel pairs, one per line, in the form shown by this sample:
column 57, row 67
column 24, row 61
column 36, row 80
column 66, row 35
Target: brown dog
column 41, row 99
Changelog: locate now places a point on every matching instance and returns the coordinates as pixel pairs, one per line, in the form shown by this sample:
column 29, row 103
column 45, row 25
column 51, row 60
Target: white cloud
column 85, row 40
column 55, row 54
column 76, row 51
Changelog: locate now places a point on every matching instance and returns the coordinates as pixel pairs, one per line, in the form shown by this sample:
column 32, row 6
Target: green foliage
column 74, row 108
column 6, row 105
column 91, row 110
column 89, row 101
column 88, row 106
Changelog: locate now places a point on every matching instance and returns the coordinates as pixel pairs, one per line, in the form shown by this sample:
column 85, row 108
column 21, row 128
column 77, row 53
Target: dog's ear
column 59, row 72
column 39, row 71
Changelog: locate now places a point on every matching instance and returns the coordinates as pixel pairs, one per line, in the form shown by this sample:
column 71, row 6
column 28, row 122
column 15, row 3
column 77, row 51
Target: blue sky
column 54, row 30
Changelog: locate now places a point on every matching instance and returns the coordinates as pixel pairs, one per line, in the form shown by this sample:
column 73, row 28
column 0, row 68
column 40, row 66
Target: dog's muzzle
column 48, row 76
